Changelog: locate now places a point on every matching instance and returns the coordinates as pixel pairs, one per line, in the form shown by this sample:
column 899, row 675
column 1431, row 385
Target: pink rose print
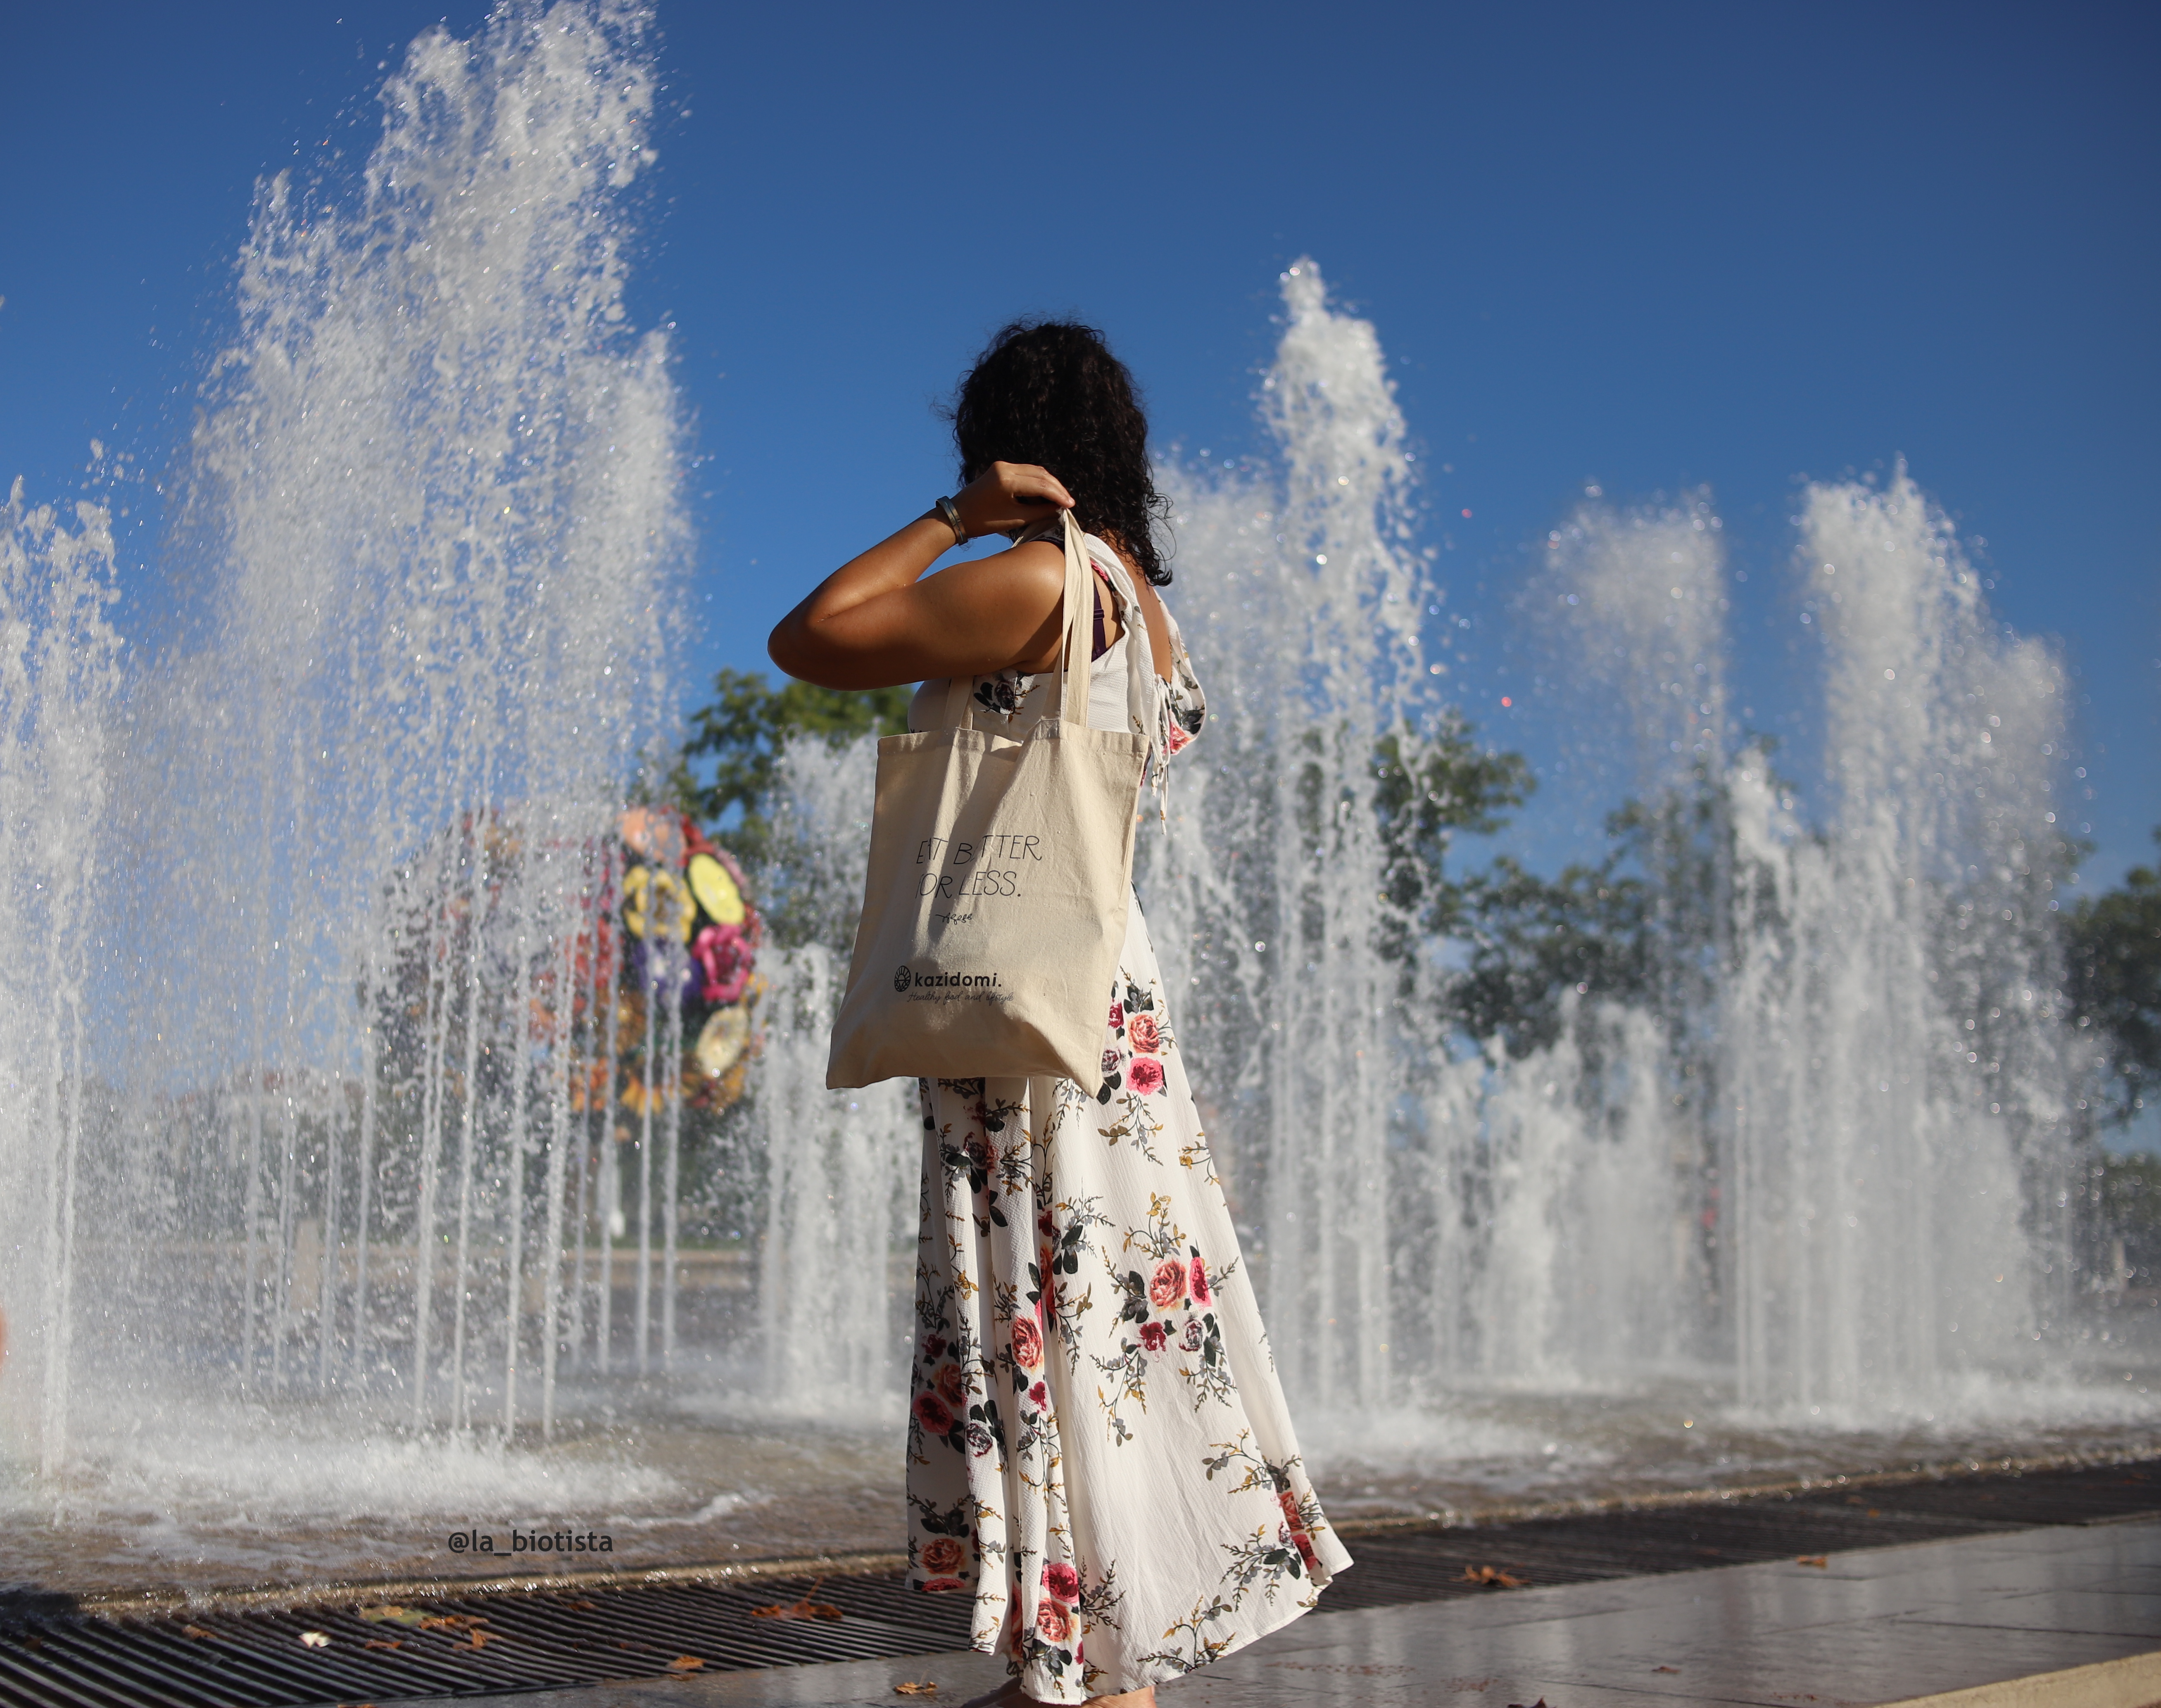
column 1196, row 1283
column 1154, row 1336
column 953, row 1387
column 1288, row 1501
column 942, row 1586
column 1169, row 1285
column 930, row 1412
column 933, row 1345
column 1145, row 1075
column 1039, row 1396
column 1118, row 1015
column 1027, row 1343
column 1179, row 739
column 1062, row 1581
column 1143, row 1035
column 1053, row 1622
column 943, row 1554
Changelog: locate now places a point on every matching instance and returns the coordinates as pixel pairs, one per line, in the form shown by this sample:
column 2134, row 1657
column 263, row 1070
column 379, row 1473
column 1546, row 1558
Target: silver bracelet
column 951, row 512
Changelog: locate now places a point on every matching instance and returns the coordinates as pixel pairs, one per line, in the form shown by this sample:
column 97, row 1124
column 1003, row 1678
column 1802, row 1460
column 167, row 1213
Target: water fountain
column 311, row 897
column 321, row 1225
column 1815, row 1178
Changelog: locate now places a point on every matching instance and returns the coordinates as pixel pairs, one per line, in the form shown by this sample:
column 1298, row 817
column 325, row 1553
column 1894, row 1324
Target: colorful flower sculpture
column 693, row 937
column 663, row 963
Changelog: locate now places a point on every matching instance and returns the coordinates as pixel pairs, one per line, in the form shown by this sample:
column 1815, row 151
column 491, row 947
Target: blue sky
column 1655, row 246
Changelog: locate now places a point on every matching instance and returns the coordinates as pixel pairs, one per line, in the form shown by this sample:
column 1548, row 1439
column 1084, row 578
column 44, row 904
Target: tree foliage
column 742, row 732
column 1428, row 790
column 2112, row 954
column 1535, row 940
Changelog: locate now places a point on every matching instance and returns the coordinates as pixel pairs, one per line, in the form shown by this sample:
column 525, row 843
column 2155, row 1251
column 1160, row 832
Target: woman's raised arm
column 875, row 621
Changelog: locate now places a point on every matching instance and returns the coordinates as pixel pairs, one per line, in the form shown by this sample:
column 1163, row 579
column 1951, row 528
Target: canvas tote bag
column 994, row 906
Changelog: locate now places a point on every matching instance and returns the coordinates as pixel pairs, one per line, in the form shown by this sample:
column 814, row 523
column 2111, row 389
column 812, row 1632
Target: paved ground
column 1879, row 1626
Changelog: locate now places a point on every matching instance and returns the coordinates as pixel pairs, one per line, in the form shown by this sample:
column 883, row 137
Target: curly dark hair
column 1050, row 393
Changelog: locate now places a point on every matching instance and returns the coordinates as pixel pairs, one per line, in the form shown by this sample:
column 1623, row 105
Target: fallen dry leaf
column 1492, row 1577
column 480, row 1638
column 922, row 1687
column 384, row 1643
column 805, row 1609
column 799, row 1610
column 389, row 1613
column 195, row 1631
column 685, row 1664
column 452, row 1622
column 1820, row 1561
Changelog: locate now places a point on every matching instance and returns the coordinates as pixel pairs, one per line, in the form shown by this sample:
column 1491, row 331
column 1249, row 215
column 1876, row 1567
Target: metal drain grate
column 54, row 1656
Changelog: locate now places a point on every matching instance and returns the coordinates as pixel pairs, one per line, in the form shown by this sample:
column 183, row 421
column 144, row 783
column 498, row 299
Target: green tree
column 1428, row 790
column 2112, row 956
column 1533, row 940
column 742, row 732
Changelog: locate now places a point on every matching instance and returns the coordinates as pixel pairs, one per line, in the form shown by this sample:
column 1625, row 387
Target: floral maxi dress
column 1099, row 1450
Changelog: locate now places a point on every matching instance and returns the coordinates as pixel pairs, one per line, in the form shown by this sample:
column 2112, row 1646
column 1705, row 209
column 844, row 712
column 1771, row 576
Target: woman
column 1098, row 1447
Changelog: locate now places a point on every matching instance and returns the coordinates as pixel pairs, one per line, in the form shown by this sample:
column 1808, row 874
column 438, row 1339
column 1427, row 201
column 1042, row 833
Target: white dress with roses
column 1099, row 1451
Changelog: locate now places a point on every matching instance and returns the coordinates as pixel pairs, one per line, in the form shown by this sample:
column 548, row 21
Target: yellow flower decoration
column 715, row 886
column 723, row 1040
column 655, row 901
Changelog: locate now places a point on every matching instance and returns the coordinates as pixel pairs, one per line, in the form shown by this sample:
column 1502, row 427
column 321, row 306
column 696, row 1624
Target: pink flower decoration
column 723, row 954
column 1053, row 1622
column 1062, row 1581
column 1143, row 1034
column 930, row 1412
column 1155, row 1336
column 1145, row 1075
column 1117, row 1016
column 1196, row 1283
column 942, row 1586
column 1039, row 1396
column 953, row 1387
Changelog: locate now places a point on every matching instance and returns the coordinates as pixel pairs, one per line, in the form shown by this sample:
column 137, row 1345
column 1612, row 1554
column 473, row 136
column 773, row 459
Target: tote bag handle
column 1076, row 607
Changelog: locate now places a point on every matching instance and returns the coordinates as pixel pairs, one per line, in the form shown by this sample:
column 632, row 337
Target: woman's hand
column 875, row 622
column 1008, row 496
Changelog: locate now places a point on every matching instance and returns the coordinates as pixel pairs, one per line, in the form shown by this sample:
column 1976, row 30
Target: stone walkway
column 2060, row 1618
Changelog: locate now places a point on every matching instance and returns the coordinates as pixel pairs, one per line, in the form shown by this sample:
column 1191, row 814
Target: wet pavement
column 2072, row 1610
